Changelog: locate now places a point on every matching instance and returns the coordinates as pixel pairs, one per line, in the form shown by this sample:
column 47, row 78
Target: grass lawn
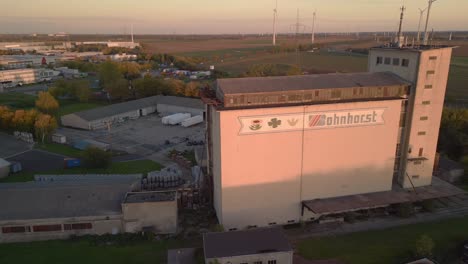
column 391, row 245
column 82, row 251
column 68, row 107
column 17, row 100
column 127, row 167
column 60, row 149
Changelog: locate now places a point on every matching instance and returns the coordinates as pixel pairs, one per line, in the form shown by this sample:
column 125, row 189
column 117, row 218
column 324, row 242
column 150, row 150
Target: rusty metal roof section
column 308, row 82
column 438, row 189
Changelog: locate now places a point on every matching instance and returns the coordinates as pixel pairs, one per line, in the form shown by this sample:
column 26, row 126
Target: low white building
column 99, row 118
column 123, row 57
column 26, row 76
column 23, row 61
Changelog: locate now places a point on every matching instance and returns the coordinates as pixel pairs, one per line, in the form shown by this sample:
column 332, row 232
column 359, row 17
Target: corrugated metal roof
column 116, row 109
column 248, row 242
column 120, row 108
column 307, row 82
column 181, row 101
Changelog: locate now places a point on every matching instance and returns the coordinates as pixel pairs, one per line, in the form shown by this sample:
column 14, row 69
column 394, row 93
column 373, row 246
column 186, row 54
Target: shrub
column 424, row 246
column 95, row 158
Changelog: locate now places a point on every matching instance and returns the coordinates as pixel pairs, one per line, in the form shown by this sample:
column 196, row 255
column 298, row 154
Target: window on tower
column 379, row 60
column 405, row 62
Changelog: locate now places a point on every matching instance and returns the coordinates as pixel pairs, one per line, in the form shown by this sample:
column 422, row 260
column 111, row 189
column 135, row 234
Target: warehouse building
column 280, row 147
column 56, row 207
column 102, row 117
column 264, row 245
column 12, row 78
column 24, row 61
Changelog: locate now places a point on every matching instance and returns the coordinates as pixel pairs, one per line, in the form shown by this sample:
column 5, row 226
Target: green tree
column 177, row 87
column 6, row 117
column 95, row 158
column 46, row 103
column 148, row 86
column 109, row 72
column 192, row 90
column 44, row 126
column 130, row 70
column 453, row 136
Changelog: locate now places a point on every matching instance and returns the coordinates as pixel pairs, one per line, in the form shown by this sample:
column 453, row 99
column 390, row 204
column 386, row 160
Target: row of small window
column 273, row 261
column 45, row 74
column 45, row 228
column 420, row 153
column 394, row 61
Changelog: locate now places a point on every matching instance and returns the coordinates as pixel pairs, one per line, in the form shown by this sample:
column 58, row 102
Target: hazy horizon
column 222, row 17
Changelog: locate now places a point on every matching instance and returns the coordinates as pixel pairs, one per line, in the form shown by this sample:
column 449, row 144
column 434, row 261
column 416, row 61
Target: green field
column 323, row 61
column 128, row 167
column 60, row 149
column 393, row 245
column 17, row 100
column 385, row 246
column 84, row 252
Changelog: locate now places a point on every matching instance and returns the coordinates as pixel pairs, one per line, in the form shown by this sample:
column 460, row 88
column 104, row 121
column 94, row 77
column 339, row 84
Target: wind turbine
column 313, row 28
column 426, row 36
column 421, row 13
column 275, row 15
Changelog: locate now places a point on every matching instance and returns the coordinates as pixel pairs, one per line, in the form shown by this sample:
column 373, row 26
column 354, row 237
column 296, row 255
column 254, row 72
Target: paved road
column 38, row 161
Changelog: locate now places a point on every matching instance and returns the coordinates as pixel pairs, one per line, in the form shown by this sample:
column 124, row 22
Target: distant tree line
column 123, row 81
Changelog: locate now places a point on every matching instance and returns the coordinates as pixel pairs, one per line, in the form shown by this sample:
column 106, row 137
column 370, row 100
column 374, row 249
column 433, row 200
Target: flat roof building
column 58, row 206
column 277, row 143
column 265, row 245
column 99, row 118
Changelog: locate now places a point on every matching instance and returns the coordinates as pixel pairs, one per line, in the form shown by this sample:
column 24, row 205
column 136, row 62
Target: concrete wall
column 162, row 216
column 261, row 178
column 166, row 108
column 280, row 257
column 100, row 225
column 419, row 172
column 72, row 120
column 102, row 123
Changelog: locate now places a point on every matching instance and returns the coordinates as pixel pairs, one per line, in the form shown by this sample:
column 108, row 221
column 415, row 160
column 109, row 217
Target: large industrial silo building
column 286, row 149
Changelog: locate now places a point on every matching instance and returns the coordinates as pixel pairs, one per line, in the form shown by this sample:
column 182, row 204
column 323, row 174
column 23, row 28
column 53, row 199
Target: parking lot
column 10, row 146
column 145, row 136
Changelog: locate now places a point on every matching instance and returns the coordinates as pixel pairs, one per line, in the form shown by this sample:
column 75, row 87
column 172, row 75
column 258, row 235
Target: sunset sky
column 220, row 16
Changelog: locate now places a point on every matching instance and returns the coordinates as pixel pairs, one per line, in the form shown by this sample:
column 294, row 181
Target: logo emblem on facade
column 274, row 123
column 256, row 125
column 293, row 121
column 316, row 120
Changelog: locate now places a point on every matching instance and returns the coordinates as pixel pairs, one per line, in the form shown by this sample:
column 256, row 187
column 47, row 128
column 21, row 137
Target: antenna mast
column 313, row 28
column 426, row 36
column 421, row 13
column 400, row 37
column 275, row 15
